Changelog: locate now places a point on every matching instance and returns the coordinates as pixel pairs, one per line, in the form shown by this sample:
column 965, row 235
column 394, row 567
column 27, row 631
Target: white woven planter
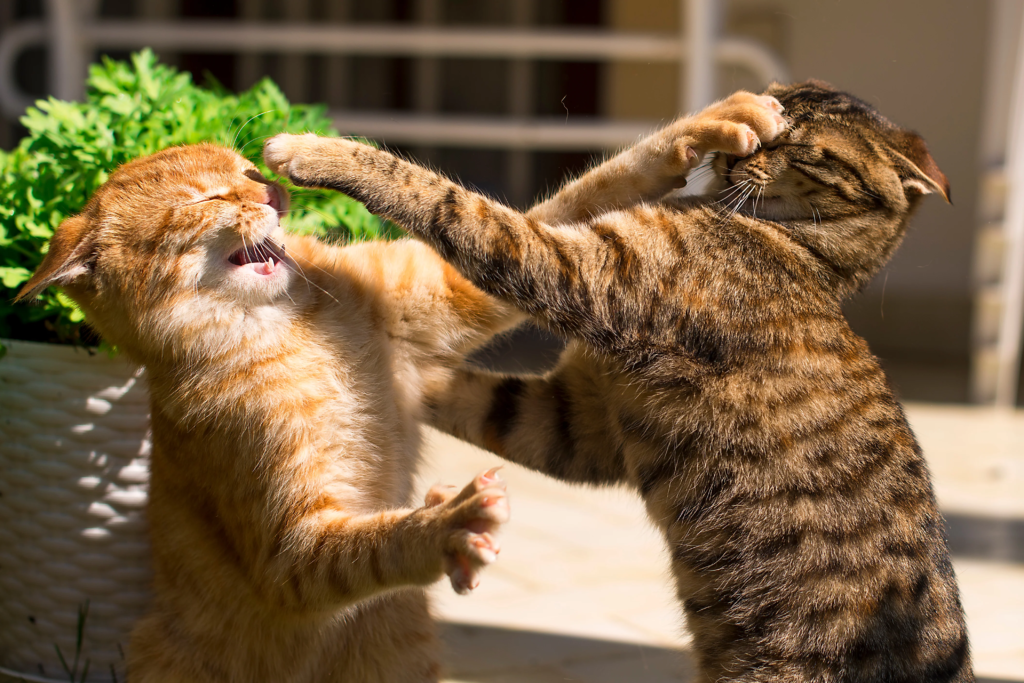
column 73, row 478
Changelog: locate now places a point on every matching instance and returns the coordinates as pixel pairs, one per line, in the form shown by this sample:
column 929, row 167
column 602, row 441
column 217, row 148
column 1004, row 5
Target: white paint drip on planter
column 74, row 470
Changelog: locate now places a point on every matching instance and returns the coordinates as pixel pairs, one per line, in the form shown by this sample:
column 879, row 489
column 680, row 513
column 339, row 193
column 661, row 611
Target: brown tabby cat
column 286, row 380
column 711, row 367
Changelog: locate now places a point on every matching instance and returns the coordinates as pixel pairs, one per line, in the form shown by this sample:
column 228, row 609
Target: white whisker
column 242, row 127
column 737, row 191
column 733, row 207
column 309, row 281
column 734, row 190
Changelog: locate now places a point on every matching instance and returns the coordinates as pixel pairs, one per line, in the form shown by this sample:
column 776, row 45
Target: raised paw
column 766, row 101
column 739, row 140
column 310, row 160
column 473, row 516
column 739, row 124
column 439, row 493
column 281, row 150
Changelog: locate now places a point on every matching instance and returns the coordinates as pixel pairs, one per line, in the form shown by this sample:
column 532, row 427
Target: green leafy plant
column 132, row 110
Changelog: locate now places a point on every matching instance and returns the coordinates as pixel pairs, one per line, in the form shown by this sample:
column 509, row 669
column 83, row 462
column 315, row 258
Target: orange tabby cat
column 285, row 380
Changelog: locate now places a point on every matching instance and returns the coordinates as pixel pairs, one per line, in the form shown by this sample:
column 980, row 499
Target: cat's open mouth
column 264, row 258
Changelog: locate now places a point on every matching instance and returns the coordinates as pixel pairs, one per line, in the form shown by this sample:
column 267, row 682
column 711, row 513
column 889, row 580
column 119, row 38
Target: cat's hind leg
column 558, row 425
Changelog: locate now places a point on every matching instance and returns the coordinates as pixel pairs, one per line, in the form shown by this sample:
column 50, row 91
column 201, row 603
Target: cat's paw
column 761, row 113
column 738, row 125
column 309, row 160
column 284, row 151
column 472, row 516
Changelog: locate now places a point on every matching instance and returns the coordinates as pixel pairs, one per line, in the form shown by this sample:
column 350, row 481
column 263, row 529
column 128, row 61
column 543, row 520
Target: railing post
column 699, row 32
column 518, row 171
column 69, row 58
column 1012, row 319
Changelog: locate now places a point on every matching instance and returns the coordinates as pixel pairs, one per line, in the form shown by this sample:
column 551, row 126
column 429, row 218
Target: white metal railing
column 1012, row 319
column 73, row 35
column 491, row 131
column 999, row 245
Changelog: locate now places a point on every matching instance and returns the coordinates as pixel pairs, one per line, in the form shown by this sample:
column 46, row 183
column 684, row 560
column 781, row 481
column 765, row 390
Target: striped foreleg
column 555, row 425
column 558, row 275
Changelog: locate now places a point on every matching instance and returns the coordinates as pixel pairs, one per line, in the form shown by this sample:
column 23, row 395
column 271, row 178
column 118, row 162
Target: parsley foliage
column 132, row 110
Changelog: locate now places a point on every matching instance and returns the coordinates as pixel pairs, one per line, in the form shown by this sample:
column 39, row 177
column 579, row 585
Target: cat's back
column 767, row 437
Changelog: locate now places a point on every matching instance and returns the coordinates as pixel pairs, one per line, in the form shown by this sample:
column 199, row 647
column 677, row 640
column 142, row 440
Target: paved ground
column 581, row 591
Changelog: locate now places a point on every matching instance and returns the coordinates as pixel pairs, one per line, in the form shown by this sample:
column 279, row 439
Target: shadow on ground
column 490, row 654
column 985, row 538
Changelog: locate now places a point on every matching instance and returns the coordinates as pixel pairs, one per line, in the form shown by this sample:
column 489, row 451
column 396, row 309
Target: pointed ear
column 919, row 171
column 69, row 258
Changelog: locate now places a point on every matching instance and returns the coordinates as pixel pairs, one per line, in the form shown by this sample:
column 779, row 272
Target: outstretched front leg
column 327, row 557
column 584, row 280
column 661, row 162
column 547, row 272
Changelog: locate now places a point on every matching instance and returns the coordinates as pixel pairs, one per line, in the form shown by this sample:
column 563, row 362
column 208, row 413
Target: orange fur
column 284, row 407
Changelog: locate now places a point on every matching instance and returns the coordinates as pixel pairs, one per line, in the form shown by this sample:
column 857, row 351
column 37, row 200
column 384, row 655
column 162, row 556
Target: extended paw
column 739, row 140
column 473, row 516
column 739, row 124
column 762, row 113
column 742, row 97
column 281, row 151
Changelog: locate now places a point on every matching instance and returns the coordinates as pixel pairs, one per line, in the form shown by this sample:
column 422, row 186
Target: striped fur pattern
column 710, row 368
column 286, row 379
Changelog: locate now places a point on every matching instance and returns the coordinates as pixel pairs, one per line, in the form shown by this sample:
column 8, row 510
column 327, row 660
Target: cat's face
column 838, row 158
column 185, row 239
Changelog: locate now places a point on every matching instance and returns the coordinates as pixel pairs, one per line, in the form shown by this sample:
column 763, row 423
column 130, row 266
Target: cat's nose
column 276, row 198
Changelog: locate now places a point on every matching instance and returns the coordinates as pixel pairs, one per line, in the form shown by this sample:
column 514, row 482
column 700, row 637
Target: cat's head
column 842, row 177
column 838, row 155
column 174, row 248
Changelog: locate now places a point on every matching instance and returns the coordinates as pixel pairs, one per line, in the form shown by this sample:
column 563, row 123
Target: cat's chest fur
column 322, row 409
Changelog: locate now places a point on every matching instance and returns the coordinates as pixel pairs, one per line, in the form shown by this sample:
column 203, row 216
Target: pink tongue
column 264, row 268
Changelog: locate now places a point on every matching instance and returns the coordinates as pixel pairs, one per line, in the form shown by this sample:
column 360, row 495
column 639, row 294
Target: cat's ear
column 919, row 171
column 69, row 259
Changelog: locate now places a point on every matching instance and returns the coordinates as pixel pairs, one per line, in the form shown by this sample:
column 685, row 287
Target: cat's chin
column 258, row 283
column 777, row 209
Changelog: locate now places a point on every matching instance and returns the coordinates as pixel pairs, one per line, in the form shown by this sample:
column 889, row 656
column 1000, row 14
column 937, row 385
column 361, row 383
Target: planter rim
column 17, row 675
column 74, row 473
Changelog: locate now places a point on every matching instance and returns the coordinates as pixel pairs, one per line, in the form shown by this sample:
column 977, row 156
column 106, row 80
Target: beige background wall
column 922, row 63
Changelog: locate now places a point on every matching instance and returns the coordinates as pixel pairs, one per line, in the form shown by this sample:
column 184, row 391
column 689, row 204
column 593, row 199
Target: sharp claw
column 462, row 577
column 753, row 142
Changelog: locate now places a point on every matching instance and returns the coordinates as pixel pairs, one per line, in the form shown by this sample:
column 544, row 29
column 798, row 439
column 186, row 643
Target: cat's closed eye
column 213, row 198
